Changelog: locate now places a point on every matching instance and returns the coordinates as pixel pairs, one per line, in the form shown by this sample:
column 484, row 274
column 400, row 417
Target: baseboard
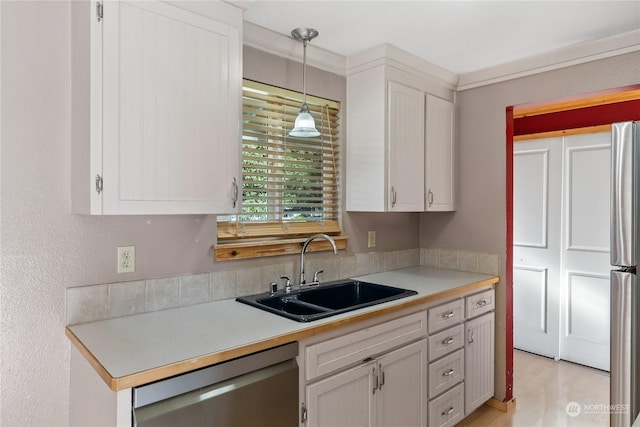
column 503, row 406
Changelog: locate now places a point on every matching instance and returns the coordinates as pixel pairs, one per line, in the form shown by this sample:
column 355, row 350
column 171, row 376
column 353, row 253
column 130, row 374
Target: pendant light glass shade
column 304, row 126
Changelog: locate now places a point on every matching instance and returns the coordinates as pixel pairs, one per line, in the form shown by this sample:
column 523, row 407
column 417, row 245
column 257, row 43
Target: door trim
column 587, row 121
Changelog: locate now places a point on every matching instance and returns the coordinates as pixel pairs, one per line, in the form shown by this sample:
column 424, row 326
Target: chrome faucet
column 304, row 249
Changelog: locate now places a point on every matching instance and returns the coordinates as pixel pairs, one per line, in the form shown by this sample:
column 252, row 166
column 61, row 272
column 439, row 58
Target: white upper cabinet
column 440, row 155
column 385, row 144
column 400, row 141
column 156, row 95
column 406, row 148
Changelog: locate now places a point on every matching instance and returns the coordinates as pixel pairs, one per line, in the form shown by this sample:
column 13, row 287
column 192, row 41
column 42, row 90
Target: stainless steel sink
column 312, row 303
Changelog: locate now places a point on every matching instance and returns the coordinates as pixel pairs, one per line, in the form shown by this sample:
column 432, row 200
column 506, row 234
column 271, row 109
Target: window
column 290, row 186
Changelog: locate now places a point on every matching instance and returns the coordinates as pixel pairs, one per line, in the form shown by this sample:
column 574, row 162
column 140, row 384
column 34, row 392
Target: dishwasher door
column 258, row 390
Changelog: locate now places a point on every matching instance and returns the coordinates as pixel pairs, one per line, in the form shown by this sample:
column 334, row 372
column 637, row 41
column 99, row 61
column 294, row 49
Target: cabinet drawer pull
column 481, row 303
column 447, row 341
column 448, row 373
column 449, row 314
column 448, row 411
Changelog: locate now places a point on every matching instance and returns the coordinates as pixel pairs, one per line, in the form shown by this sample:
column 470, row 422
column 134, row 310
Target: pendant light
column 304, row 126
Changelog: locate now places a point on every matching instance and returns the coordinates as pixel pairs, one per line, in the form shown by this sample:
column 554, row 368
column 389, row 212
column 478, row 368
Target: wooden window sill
column 265, row 248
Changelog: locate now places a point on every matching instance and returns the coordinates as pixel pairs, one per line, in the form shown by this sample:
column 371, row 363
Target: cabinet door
column 344, row 399
column 171, row 110
column 402, row 399
column 406, row 148
column 440, row 155
column 479, row 356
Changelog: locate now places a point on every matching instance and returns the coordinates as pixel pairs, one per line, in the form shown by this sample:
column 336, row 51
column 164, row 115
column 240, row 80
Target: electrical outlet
column 372, row 239
column 126, row 259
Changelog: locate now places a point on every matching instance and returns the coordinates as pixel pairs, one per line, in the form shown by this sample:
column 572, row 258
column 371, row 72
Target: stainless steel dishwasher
column 260, row 389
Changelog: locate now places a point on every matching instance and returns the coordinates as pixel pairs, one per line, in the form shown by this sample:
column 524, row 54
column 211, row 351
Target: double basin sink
column 312, row 303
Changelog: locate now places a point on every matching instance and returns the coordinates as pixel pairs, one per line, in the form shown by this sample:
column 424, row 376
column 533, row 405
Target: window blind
column 289, row 185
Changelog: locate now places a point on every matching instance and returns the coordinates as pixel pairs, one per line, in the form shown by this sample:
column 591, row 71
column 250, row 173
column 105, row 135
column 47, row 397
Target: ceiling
column 459, row 36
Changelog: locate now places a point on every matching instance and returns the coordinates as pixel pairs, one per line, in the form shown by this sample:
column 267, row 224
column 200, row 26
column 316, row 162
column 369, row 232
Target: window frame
column 242, row 239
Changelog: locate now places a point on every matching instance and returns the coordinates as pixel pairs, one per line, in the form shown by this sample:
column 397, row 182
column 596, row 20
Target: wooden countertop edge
column 102, row 372
column 162, row 372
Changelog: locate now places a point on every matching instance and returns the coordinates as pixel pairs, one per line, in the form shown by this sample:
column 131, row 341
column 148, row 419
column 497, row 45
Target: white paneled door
column 536, row 245
column 561, row 248
column 585, row 250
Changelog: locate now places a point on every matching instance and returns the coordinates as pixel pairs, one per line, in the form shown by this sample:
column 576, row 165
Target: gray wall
column 44, row 249
column 479, row 224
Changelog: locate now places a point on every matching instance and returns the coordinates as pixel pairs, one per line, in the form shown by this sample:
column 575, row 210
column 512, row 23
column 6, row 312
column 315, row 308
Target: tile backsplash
column 106, row 301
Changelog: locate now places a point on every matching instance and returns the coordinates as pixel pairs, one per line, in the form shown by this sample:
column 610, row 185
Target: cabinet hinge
column 98, row 184
column 303, row 414
column 99, row 11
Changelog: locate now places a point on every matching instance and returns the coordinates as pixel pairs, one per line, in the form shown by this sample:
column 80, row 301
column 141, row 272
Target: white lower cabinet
column 445, row 373
column 479, row 357
column 446, row 364
column 433, row 367
column 447, row 409
column 385, row 391
column 343, row 399
column 402, row 378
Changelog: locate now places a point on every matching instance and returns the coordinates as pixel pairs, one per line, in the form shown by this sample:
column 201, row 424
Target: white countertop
column 131, row 345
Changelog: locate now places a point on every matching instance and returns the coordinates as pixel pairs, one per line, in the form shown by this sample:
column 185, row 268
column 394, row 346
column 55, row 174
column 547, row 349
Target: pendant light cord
column 304, row 71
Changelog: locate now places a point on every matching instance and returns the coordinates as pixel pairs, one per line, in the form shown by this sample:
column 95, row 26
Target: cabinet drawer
column 480, row 303
column 445, row 342
column 445, row 315
column 445, row 373
column 448, row 409
column 336, row 353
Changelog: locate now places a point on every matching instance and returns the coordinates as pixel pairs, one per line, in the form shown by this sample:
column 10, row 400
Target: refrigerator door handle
column 623, row 215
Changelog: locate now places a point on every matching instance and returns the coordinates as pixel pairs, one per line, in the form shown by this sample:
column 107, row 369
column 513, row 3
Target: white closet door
column 536, row 245
column 561, row 248
column 585, row 250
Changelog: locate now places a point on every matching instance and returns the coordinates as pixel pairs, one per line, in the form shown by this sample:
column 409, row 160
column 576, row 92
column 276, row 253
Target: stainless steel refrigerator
column 625, row 298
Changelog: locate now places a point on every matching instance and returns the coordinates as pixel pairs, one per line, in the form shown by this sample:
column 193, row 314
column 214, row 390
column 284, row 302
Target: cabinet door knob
column 430, row 197
column 393, row 196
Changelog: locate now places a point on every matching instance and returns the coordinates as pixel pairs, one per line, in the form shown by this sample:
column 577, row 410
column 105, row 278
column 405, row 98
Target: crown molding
column 277, row 44
column 287, row 47
column 393, row 56
column 561, row 58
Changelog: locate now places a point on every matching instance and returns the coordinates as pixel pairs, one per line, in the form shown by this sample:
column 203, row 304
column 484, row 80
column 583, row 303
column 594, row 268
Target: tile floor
column 543, row 388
